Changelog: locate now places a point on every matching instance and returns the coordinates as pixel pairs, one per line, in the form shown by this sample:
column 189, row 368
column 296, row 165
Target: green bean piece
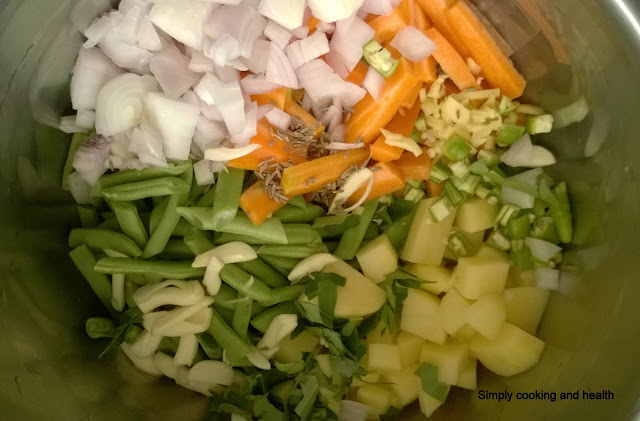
column 333, row 225
column 227, row 196
column 255, row 288
column 131, row 333
column 101, row 239
column 182, row 228
column 168, row 345
column 161, row 269
column 296, row 252
column 134, row 176
column 197, row 241
column 372, row 232
column 264, row 319
column 110, row 225
column 226, row 297
column 332, row 246
column 196, row 192
column 176, row 249
column 301, row 234
column 399, row 230
column 297, row 214
column 210, row 346
column 352, row 238
column 106, row 216
column 242, row 315
column 281, row 264
column 235, row 347
column 164, row 186
column 261, row 270
column 130, row 222
column 100, row 327
column 88, row 216
column 77, row 141
column 130, row 288
column 85, row 262
column 207, row 199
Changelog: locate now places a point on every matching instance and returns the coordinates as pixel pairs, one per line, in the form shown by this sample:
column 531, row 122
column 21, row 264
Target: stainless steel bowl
column 568, row 49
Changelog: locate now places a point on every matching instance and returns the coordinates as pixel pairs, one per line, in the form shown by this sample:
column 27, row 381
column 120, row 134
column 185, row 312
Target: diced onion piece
column 89, row 160
column 223, row 50
column 517, row 197
column 127, row 29
column 542, row 250
column 408, row 144
column 148, row 144
column 227, row 154
column 353, row 411
column 125, row 55
column 211, row 279
column 200, row 63
column 92, row 71
column 524, row 154
column 279, row 328
column 332, row 11
column 307, row 49
column 258, row 59
column 148, row 37
column 208, row 133
column 279, row 69
column 202, row 172
column 187, row 350
column 314, row 263
column 321, row 84
column 98, row 31
column 228, row 99
column 143, row 364
column 215, row 372
column 180, row 321
column 182, row 19
column 250, row 126
column 146, row 344
column 547, row 278
column 117, row 291
column 541, row 157
column 86, row 119
column 257, row 84
column 171, row 69
column 287, row 13
column 79, row 189
column 165, row 364
column 243, row 23
column 171, row 292
column 356, row 180
column 278, row 118
column 350, row 36
column 378, row 7
column 277, row 34
column 68, row 125
column 176, row 121
column 413, row 44
column 119, row 104
column 373, row 83
column 233, row 252
column 341, row 146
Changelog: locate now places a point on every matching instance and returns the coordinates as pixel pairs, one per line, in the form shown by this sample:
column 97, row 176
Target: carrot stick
column 371, row 116
column 386, row 27
column 312, row 175
column 410, row 100
column 382, row 152
column 402, row 123
column 425, row 70
column 295, row 110
column 386, row 180
column 358, row 73
column 257, row 203
column 450, row 61
column 419, row 18
column 414, row 167
column 496, row 67
column 272, row 147
column 435, row 9
column 277, row 97
column 434, row 189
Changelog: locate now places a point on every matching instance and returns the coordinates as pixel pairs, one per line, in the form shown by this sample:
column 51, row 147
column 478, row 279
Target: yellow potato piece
column 359, row 297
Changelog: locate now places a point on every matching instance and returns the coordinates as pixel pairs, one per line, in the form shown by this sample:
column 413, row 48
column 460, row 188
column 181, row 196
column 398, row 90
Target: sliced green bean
column 168, row 345
column 298, row 214
column 332, row 246
column 77, row 141
column 281, row 264
column 181, row 229
column 131, row 333
column 207, row 199
column 234, row 345
column 129, row 289
column 227, row 196
column 261, row 270
column 130, row 222
column 176, row 249
column 134, row 176
column 332, row 225
column 100, row 239
column 352, row 238
column 262, row 321
column 242, row 315
column 100, row 327
column 164, row 186
column 85, row 262
column 373, row 231
column 168, row 270
column 88, row 216
column 255, row 288
column 210, row 346
column 110, row 225
column 399, row 230
column 301, row 234
column 296, row 252
column 195, row 193
column 226, row 297
column 197, row 241
column 106, row 216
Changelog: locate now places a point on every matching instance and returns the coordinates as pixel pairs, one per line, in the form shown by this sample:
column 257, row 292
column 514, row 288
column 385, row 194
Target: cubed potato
column 449, row 358
column 525, row 307
column 476, row 276
column 487, row 315
column 382, row 335
column 421, row 316
column 359, row 297
column 376, row 397
column 452, row 311
column 476, row 215
column 512, row 352
column 369, row 378
column 427, row 239
column 377, row 258
column 487, row 251
column 464, row 334
column 409, row 345
column 383, row 357
column 468, row 377
column 404, row 385
column 428, row 404
column 291, row 349
column 439, row 277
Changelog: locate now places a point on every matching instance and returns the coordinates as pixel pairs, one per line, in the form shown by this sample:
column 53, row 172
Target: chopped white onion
column 542, row 250
column 227, row 154
column 332, row 11
column 528, row 177
column 125, row 55
column 341, row 146
column 233, row 252
column 258, row 59
column 413, row 44
column 307, row 49
column 209, row 134
column 182, row 379
column 314, row 263
column 145, row 365
column 200, row 63
column 356, row 180
column 187, row 350
column 277, row 34
column 327, row 28
column 348, row 39
column 378, row 7
column 68, row 125
column 278, row 118
column 127, row 29
column 172, row 292
column 98, row 31
column 92, row 71
column 547, row 278
column 209, row 371
column 259, row 360
column 182, row 19
column 257, row 84
column 353, row 411
column 517, row 197
column 117, row 291
column 337, row 136
column 321, row 84
column 524, row 154
column 333, row 116
column 148, row 145
column 79, row 189
column 180, row 321
column 90, row 158
column 242, row 23
column 175, row 120
column 85, row 119
column 146, row 344
column 279, row 70
column 211, row 279
column 148, row 37
column 541, row 157
column 165, row 364
column 202, row 172
column 287, row 13
column 373, row 83
column 223, row 50
column 300, row 32
column 228, row 99
column 171, row 69
column 279, row 328
column 250, row 126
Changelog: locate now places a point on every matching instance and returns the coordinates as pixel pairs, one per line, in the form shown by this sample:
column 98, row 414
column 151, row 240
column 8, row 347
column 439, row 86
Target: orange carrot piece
column 295, row 110
column 434, row 189
column 312, row 24
column 386, row 27
column 382, row 152
column 277, row 97
column 435, row 9
column 414, row 167
column 386, row 180
column 257, row 203
column 410, row 100
column 451, row 62
column 425, row 70
column 402, row 123
column 419, row 18
column 312, row 175
column 371, row 116
column 496, row 67
column 358, row 73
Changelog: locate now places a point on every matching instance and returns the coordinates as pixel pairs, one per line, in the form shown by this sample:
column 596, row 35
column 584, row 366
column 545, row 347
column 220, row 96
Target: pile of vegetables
column 322, row 212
